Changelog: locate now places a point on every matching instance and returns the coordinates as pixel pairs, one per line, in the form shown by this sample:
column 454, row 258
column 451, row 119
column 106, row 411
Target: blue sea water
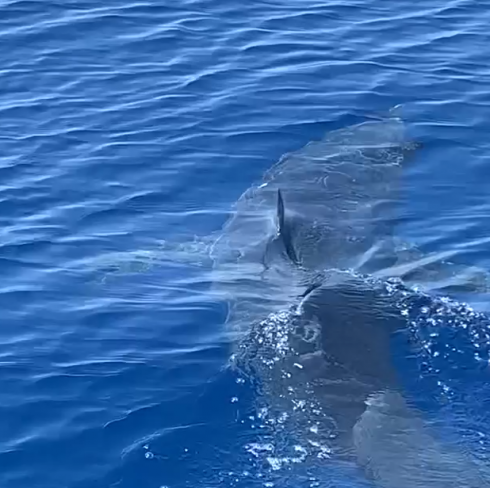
column 128, row 125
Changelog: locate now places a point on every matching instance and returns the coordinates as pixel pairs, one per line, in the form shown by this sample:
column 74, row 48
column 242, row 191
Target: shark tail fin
column 283, row 230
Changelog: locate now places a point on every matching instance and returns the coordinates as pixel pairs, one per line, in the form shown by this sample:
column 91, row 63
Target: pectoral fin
column 397, row 449
column 435, row 272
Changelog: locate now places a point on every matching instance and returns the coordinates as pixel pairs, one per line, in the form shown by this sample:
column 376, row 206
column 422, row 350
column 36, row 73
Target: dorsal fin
column 280, row 213
column 283, row 230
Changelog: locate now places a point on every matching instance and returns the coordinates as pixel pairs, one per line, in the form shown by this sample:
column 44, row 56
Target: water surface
column 126, row 125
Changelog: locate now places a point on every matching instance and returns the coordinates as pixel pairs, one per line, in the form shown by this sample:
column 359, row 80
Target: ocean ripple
column 131, row 125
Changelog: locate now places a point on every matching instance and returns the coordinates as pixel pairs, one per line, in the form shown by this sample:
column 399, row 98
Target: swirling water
column 126, row 125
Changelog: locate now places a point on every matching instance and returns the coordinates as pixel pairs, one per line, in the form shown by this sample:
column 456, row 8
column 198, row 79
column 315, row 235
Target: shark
column 314, row 276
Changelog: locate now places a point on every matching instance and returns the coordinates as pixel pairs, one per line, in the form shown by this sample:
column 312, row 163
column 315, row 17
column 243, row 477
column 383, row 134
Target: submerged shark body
column 295, row 263
column 326, row 374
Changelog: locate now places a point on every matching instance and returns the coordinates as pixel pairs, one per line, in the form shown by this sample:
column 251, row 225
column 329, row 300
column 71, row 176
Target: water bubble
column 275, row 463
column 299, row 404
column 314, row 429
